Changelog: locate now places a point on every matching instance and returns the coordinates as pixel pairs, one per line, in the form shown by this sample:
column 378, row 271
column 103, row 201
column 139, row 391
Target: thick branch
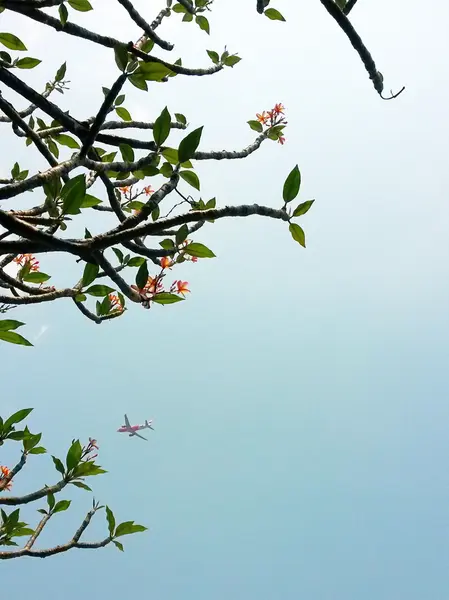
column 349, row 6
column 357, row 44
column 42, row 493
column 231, row 154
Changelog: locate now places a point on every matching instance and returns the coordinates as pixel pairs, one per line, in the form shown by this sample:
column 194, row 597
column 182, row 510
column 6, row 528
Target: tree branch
column 140, row 22
column 359, row 46
column 349, row 6
column 42, row 493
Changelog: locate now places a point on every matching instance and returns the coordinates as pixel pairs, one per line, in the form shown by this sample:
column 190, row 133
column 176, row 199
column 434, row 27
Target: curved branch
column 48, row 297
column 349, row 6
column 42, row 493
column 140, row 22
column 231, row 154
column 357, row 44
column 178, row 69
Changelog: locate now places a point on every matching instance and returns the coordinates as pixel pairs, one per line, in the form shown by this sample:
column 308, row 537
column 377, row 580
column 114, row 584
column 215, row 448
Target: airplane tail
column 148, row 424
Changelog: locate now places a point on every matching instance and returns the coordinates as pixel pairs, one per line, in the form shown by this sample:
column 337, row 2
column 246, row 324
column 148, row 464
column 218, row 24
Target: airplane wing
column 141, row 436
column 127, row 422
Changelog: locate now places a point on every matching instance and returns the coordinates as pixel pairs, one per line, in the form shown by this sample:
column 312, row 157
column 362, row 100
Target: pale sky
column 299, row 397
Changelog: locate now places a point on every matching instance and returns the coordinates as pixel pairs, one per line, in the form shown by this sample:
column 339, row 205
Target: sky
column 299, row 396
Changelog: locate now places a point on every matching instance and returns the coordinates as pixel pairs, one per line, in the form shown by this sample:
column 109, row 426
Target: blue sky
column 299, row 396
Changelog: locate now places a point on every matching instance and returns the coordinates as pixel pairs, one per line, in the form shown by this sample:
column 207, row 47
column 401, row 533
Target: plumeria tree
column 78, row 465
column 149, row 185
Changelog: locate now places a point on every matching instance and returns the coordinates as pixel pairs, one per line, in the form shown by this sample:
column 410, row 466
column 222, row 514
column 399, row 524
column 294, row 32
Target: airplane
column 133, row 429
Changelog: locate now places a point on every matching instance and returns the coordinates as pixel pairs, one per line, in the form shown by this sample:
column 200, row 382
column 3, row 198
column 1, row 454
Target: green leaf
column 90, row 201
column 63, row 14
column 167, row 244
column 66, row 140
column 232, row 60
column 80, row 298
column 180, row 118
column 81, row 5
column 99, row 291
column 179, row 8
column 292, row 185
column 213, row 56
column 73, row 455
column 73, row 194
column 171, row 156
column 38, row 450
column 58, row 465
column 340, row 3
column 189, row 144
column 153, row 71
column 30, row 441
column 90, row 273
column 120, row 99
column 81, row 485
column 123, row 113
column 161, row 128
column 166, row 170
column 302, row 208
column 14, row 338
column 256, row 126
column 17, row 417
column 87, row 469
column 127, row 152
column 298, row 234
column 61, row 506
column 118, row 545
column 111, row 520
column 191, row 178
column 22, row 531
column 12, row 42
column 198, row 250
column 181, row 234
column 136, row 261
column 142, row 275
column 60, row 73
column 27, row 63
column 166, row 298
column 119, row 254
column 147, row 46
column 9, row 324
column 274, row 14
column 138, row 81
column 36, row 277
column 51, row 500
column 129, row 527
column 203, row 23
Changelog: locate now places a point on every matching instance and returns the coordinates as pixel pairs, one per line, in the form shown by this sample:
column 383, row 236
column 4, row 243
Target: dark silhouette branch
column 140, row 22
column 358, row 45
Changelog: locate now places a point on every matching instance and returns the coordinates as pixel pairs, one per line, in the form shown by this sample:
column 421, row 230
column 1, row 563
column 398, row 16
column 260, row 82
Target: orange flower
column 281, row 140
column 262, row 118
column 148, row 190
column 182, row 287
column 4, row 473
column 278, row 108
column 116, row 306
column 24, row 259
column 166, row 261
column 124, row 190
